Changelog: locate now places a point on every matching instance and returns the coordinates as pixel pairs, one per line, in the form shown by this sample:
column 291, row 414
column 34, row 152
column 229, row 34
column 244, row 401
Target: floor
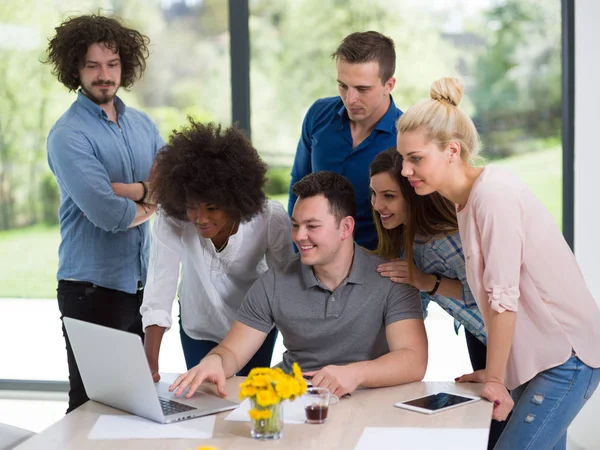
column 45, row 358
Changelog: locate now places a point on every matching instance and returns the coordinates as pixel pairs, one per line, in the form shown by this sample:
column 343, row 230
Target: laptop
column 115, row 371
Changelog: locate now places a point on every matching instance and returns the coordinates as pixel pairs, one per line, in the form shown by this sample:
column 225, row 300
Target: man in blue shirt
column 343, row 134
column 97, row 147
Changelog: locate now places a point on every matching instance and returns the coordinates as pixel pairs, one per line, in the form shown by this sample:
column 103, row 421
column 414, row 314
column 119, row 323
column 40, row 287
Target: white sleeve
column 163, row 271
column 279, row 235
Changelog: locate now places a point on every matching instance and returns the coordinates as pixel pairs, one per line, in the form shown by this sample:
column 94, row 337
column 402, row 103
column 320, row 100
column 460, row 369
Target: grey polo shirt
column 321, row 327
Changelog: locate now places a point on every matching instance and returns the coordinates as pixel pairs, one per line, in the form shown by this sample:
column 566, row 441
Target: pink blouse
column 517, row 260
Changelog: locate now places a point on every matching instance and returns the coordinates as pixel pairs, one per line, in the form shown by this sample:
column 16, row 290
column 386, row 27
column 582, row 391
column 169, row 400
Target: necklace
column 226, row 240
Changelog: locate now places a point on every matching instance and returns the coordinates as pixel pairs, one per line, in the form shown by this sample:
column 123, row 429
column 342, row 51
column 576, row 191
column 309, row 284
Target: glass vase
column 267, row 428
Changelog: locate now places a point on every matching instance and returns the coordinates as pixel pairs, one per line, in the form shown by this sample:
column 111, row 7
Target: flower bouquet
column 267, row 389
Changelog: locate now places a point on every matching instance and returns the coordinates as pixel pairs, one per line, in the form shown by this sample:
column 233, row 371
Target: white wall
column 585, row 430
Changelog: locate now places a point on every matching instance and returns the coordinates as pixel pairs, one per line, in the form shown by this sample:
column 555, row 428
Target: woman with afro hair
column 216, row 225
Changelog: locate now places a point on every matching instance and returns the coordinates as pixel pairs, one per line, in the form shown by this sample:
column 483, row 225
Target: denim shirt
column 326, row 144
column 86, row 153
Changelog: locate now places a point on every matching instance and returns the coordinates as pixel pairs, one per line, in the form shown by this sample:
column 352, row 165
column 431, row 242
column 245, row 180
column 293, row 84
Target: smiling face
column 210, row 221
column 364, row 95
column 387, row 200
column 100, row 75
column 424, row 164
column 316, row 231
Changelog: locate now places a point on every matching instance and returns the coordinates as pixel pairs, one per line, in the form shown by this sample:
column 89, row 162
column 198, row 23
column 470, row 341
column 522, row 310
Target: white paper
column 423, row 438
column 293, row 412
column 134, row 427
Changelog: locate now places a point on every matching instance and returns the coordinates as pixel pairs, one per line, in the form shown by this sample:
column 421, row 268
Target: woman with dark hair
column 215, row 223
column 419, row 235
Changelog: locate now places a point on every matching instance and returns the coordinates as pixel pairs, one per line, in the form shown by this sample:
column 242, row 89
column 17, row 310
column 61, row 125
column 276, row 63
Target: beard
column 104, row 97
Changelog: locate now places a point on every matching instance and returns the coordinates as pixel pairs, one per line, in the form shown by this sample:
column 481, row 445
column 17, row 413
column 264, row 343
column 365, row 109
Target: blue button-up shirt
column 86, row 153
column 326, row 144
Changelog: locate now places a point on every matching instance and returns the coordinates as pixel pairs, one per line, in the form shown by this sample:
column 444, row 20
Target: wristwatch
column 438, row 278
column 143, row 199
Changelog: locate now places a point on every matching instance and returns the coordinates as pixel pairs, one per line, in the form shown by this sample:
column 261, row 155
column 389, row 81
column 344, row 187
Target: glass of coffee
column 316, row 404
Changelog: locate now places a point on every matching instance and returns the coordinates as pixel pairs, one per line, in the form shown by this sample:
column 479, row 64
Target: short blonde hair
column 440, row 118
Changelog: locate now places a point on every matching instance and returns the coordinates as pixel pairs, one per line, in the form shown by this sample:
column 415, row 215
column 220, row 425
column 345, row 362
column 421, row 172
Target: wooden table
column 347, row 419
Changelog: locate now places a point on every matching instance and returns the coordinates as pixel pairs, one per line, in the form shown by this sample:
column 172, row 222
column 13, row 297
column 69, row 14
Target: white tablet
column 442, row 401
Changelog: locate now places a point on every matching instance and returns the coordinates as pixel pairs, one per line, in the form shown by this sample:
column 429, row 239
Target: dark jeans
column 91, row 303
column 194, row 350
column 478, row 355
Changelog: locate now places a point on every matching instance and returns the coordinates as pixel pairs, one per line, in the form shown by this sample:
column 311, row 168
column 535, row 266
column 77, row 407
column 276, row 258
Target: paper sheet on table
column 293, row 412
column 133, row 427
column 423, row 438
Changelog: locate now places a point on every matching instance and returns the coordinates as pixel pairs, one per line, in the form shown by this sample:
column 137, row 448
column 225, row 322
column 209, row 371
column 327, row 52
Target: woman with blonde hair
column 542, row 323
column 419, row 236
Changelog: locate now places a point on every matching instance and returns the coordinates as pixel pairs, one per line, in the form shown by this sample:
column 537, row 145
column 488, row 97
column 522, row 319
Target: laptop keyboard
column 170, row 407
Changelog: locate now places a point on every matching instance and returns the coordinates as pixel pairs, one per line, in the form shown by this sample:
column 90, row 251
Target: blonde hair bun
column 448, row 90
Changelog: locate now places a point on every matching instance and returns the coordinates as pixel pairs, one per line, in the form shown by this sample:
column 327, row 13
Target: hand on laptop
column 210, row 368
column 155, row 374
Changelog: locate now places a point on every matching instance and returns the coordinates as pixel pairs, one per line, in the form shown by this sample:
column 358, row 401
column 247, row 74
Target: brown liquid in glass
column 316, row 413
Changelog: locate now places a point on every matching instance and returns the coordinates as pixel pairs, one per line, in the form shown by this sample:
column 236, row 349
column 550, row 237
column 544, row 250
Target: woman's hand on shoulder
column 397, row 271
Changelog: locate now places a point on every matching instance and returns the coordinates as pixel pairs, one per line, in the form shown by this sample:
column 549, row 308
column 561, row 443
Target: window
column 508, row 53
column 188, row 73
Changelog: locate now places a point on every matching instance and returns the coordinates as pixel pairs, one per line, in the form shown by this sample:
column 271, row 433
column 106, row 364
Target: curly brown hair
column 206, row 163
column 67, row 49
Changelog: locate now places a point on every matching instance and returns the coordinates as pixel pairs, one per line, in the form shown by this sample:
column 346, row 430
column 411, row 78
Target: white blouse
column 212, row 284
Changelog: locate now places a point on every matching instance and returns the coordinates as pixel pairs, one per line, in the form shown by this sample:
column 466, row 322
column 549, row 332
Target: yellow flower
column 266, row 414
column 285, row 389
column 296, row 371
column 247, row 391
column 266, row 398
column 301, row 386
column 255, row 414
column 258, row 414
column 261, row 381
column 259, row 371
column 207, row 447
column 270, row 386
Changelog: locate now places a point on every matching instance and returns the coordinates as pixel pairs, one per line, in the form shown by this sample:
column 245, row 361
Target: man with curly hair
column 215, row 227
column 344, row 133
column 100, row 148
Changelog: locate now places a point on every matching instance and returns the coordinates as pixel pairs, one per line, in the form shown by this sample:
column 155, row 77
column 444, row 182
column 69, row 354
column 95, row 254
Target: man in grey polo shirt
column 342, row 322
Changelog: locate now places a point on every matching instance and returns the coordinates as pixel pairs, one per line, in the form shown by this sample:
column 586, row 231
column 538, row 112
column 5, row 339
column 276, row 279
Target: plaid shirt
column 444, row 256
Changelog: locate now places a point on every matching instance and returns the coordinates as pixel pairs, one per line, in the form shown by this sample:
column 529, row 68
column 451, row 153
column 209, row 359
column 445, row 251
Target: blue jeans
column 547, row 404
column 194, row 350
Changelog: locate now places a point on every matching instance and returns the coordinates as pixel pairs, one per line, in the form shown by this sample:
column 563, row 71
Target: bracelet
column 438, row 278
column 145, row 192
